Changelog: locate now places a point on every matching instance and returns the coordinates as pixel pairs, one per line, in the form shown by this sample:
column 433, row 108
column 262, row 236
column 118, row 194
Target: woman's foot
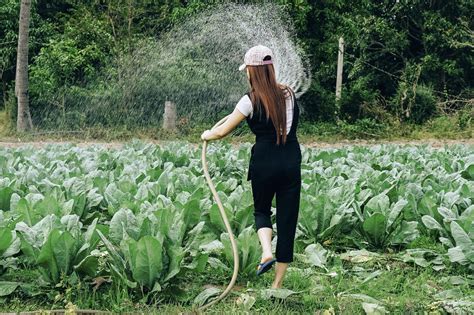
column 265, row 259
column 265, row 265
column 276, row 285
column 280, row 271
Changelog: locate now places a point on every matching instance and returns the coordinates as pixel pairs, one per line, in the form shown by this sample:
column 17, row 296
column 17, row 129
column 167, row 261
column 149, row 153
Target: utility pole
column 340, row 60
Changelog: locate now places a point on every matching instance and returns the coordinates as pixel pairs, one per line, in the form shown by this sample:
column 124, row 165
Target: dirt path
column 437, row 143
column 117, row 144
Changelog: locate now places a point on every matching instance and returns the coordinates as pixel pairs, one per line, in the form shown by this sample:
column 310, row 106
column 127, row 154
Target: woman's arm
column 223, row 130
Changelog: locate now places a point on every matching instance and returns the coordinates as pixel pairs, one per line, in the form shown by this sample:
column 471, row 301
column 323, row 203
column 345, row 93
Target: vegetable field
column 136, row 227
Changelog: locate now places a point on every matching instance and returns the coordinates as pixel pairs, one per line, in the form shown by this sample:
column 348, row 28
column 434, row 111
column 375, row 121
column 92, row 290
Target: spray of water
column 195, row 65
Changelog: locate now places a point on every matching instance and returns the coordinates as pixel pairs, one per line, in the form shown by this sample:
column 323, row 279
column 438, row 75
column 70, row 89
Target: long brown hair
column 267, row 92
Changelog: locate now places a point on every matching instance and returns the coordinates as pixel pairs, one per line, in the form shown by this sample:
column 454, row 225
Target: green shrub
column 414, row 106
column 318, row 103
column 354, row 96
column 424, row 107
column 11, row 106
column 464, row 119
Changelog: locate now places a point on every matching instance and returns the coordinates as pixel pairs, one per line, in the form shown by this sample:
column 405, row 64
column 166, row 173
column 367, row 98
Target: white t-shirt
column 245, row 107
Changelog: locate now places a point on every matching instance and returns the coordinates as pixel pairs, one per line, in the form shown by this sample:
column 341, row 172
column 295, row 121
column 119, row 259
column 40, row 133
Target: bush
column 11, row 105
column 318, row 103
column 414, row 106
column 465, row 115
column 424, row 107
column 354, row 96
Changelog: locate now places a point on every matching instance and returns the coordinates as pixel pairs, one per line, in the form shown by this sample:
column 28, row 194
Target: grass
column 444, row 127
column 4, row 123
column 399, row 287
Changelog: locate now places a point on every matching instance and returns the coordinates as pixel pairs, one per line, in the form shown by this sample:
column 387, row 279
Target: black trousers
column 276, row 171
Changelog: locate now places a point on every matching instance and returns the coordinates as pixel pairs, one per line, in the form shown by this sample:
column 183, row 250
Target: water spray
column 226, row 222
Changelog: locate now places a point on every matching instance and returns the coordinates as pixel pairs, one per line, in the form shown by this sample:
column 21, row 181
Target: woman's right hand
column 205, row 135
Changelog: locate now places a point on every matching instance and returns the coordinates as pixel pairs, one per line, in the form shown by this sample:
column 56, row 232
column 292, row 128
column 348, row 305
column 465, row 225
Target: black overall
column 276, row 170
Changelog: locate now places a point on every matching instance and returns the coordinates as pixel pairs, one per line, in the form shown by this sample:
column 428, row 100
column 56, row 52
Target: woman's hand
column 206, row 135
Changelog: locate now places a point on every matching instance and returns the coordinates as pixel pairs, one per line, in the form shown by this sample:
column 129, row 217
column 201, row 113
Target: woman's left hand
column 205, row 135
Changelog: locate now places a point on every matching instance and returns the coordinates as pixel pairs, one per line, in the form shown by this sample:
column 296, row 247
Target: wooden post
column 340, row 61
column 169, row 117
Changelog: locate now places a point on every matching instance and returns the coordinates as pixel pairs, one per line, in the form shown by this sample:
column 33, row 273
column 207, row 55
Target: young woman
column 275, row 162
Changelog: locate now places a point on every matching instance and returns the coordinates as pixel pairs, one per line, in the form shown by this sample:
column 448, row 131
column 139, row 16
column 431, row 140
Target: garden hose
column 226, row 222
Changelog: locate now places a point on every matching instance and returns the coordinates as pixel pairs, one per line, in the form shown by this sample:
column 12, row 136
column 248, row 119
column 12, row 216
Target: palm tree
column 21, row 82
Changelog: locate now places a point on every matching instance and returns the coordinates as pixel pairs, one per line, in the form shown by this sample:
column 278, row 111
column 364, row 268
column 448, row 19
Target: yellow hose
column 226, row 222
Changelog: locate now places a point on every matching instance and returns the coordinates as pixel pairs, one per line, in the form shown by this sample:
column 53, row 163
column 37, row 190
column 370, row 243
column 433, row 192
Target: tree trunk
column 21, row 81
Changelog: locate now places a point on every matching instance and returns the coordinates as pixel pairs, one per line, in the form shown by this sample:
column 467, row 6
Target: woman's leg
column 280, row 271
column 265, row 236
column 287, row 204
column 263, row 195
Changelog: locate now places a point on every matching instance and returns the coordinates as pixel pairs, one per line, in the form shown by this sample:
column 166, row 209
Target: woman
column 275, row 162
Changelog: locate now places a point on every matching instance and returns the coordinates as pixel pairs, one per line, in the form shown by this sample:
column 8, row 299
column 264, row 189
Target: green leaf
column 216, row 218
column 316, row 255
column 123, row 221
column 147, row 261
column 395, row 211
column 431, row 223
column 46, row 257
column 468, row 173
column 27, row 249
column 49, row 205
column 7, row 287
column 24, row 210
column 378, row 204
column 164, row 221
column 456, row 254
column 192, row 212
column 5, row 195
column 373, row 309
column 243, row 218
column 202, row 297
column 447, row 214
column 281, row 293
column 245, row 301
column 6, row 238
column 120, row 275
column 198, row 263
column 406, row 232
column 80, row 204
column 64, row 250
column 119, row 262
column 375, row 227
column 460, row 236
column 450, row 294
column 146, row 228
column 358, row 256
column 88, row 266
column 176, row 255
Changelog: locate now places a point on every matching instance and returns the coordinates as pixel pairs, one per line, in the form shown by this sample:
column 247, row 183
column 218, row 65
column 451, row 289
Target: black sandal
column 265, row 266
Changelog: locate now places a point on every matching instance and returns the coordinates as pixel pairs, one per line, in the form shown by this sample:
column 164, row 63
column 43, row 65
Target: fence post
column 169, row 116
column 340, row 60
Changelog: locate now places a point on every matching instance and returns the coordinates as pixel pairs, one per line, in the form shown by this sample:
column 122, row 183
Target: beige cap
column 255, row 55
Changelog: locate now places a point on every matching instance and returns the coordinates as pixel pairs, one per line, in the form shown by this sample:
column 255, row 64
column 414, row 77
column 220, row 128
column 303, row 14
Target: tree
column 24, row 121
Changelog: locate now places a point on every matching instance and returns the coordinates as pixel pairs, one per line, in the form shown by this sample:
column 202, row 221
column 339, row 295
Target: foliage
column 143, row 216
column 401, row 58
